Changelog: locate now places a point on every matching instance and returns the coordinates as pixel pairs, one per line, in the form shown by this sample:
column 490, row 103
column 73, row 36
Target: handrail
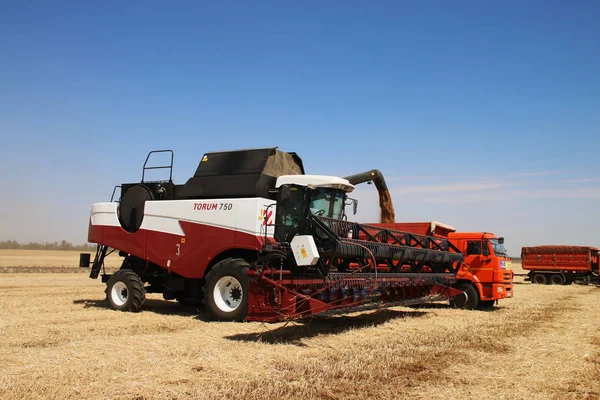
column 170, row 167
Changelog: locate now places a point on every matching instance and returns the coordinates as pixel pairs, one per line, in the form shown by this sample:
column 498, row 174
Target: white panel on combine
column 305, row 250
column 252, row 215
column 105, row 214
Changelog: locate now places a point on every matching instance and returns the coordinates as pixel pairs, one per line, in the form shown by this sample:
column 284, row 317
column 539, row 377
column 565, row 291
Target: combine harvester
column 559, row 264
column 485, row 275
column 251, row 237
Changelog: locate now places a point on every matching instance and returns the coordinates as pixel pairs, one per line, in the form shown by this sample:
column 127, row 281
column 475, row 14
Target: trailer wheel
column 557, row 279
column 226, row 290
column 468, row 302
column 540, row 279
column 125, row 291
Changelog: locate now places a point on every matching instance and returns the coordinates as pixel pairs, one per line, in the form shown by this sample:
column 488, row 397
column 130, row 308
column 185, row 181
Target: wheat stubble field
column 57, row 341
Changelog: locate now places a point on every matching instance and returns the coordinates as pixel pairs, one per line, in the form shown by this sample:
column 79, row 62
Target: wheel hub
column 119, row 293
column 228, row 294
column 236, row 294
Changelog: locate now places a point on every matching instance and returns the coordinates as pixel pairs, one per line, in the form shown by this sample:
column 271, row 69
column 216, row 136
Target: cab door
column 474, row 255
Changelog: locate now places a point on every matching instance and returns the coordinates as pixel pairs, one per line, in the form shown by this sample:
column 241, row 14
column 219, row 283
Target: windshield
column 328, row 202
column 499, row 249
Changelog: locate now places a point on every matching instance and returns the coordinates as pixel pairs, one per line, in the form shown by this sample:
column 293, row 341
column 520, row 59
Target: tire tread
column 215, row 273
column 135, row 286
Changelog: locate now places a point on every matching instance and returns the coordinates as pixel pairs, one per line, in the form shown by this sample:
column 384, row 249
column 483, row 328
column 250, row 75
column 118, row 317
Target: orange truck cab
column 487, row 268
column 486, row 274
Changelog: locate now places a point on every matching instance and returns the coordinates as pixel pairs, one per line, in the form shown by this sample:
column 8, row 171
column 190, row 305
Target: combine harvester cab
column 250, row 237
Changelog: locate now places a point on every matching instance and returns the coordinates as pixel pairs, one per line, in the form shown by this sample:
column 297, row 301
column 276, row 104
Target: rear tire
column 226, row 290
column 472, row 299
column 557, row 279
column 539, row 279
column 125, row 291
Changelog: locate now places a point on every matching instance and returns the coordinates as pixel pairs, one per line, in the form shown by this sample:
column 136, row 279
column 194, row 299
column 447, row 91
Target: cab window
column 474, row 247
column 328, row 202
column 290, row 211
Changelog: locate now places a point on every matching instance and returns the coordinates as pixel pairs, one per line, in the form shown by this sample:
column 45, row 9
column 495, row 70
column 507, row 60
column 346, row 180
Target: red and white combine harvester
column 251, row 237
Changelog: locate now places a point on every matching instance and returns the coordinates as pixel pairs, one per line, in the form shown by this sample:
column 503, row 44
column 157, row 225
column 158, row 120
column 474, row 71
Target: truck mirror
column 501, row 240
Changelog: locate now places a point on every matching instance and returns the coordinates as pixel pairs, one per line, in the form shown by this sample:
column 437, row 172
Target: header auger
column 251, row 237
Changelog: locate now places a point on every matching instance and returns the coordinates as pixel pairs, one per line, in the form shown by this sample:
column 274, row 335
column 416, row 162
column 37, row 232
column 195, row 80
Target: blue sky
column 483, row 115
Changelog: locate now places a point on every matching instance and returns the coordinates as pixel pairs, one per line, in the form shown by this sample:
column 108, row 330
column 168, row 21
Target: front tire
column 226, row 290
column 472, row 297
column 125, row 291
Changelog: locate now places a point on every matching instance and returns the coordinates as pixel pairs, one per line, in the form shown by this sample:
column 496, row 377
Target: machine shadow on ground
column 162, row 307
column 294, row 331
column 430, row 306
column 291, row 333
column 445, row 306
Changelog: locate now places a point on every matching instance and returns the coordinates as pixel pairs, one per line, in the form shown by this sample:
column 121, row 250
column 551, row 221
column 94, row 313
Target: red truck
column 486, row 274
column 559, row 265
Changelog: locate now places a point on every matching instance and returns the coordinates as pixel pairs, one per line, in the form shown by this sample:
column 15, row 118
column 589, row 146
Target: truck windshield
column 328, row 202
column 499, row 249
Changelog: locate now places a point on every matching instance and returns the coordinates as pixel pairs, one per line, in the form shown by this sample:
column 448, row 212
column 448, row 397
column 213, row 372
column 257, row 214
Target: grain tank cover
column 240, row 173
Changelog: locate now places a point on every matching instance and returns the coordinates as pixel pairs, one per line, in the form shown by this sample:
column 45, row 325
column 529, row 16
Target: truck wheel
column 540, row 279
column 557, row 279
column 468, row 302
column 125, row 291
column 226, row 290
